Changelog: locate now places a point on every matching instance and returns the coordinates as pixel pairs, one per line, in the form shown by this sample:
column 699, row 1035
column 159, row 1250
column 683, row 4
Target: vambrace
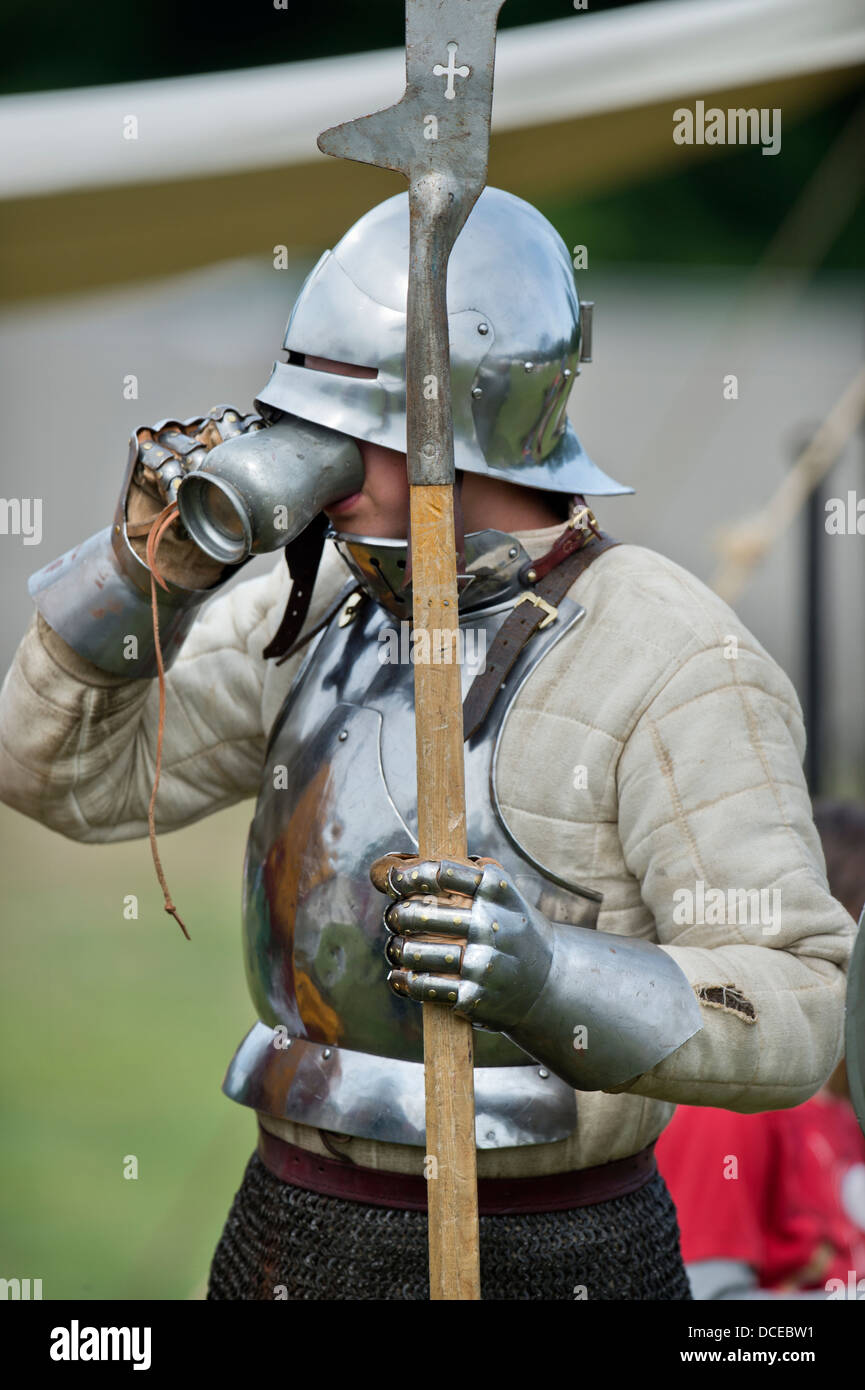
column 610, row 1009
column 97, row 598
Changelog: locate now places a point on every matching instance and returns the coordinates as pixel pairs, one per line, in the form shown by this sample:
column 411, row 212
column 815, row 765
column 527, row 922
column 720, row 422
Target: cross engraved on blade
column 451, row 71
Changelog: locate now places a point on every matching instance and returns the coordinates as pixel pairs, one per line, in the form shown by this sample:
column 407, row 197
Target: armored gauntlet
column 97, row 597
column 598, row 1010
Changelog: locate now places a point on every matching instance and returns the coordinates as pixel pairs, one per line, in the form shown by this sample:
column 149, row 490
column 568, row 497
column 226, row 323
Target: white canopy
column 269, row 117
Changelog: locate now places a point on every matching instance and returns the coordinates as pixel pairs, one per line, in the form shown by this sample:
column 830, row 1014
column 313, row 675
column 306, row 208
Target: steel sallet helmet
column 514, row 317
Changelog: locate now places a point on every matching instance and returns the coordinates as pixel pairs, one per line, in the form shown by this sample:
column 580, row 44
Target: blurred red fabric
column 782, row 1191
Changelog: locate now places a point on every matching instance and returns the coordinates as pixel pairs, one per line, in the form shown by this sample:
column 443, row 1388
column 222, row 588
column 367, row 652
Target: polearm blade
column 437, row 135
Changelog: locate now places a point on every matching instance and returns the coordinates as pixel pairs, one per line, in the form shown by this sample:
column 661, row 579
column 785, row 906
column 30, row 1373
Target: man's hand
column 463, row 934
column 597, row 1009
column 164, row 453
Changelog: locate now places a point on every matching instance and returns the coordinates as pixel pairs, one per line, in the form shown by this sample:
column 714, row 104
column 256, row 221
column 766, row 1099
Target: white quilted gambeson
column 656, row 748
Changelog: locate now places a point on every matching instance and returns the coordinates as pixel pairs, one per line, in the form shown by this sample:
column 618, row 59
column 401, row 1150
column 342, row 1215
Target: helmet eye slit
column 334, row 368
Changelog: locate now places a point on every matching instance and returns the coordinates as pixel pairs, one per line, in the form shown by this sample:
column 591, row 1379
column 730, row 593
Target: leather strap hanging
column 156, row 531
column 342, row 600
column 551, row 576
column 303, row 563
column 303, row 557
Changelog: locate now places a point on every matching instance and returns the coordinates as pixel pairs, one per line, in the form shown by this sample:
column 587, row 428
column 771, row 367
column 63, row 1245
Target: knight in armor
column 633, row 783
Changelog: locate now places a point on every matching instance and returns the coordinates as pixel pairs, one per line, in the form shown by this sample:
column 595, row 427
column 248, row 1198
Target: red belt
column 582, row 1187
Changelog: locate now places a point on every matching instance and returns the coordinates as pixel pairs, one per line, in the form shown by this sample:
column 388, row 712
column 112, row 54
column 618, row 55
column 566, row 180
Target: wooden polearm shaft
column 448, row 1053
column 438, row 137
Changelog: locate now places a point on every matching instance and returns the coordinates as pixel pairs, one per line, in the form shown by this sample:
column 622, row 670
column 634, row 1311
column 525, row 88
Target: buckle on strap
column 584, row 518
column 551, row 612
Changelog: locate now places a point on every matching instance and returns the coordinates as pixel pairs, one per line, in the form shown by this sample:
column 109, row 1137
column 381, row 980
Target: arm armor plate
column 610, row 1009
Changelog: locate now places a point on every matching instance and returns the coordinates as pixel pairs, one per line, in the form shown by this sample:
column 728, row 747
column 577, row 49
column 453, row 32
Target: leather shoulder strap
column 534, row 609
column 303, row 557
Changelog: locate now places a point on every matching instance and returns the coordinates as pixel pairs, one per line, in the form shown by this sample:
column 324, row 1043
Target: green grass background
column 115, row 1038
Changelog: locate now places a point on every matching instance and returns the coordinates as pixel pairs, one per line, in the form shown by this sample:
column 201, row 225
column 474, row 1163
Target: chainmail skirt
column 283, row 1242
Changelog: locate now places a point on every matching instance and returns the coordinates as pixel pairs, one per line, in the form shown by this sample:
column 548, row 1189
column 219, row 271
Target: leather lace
column 158, row 528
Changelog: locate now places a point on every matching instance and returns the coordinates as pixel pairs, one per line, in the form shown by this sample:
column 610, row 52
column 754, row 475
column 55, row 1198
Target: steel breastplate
column 336, row 1048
